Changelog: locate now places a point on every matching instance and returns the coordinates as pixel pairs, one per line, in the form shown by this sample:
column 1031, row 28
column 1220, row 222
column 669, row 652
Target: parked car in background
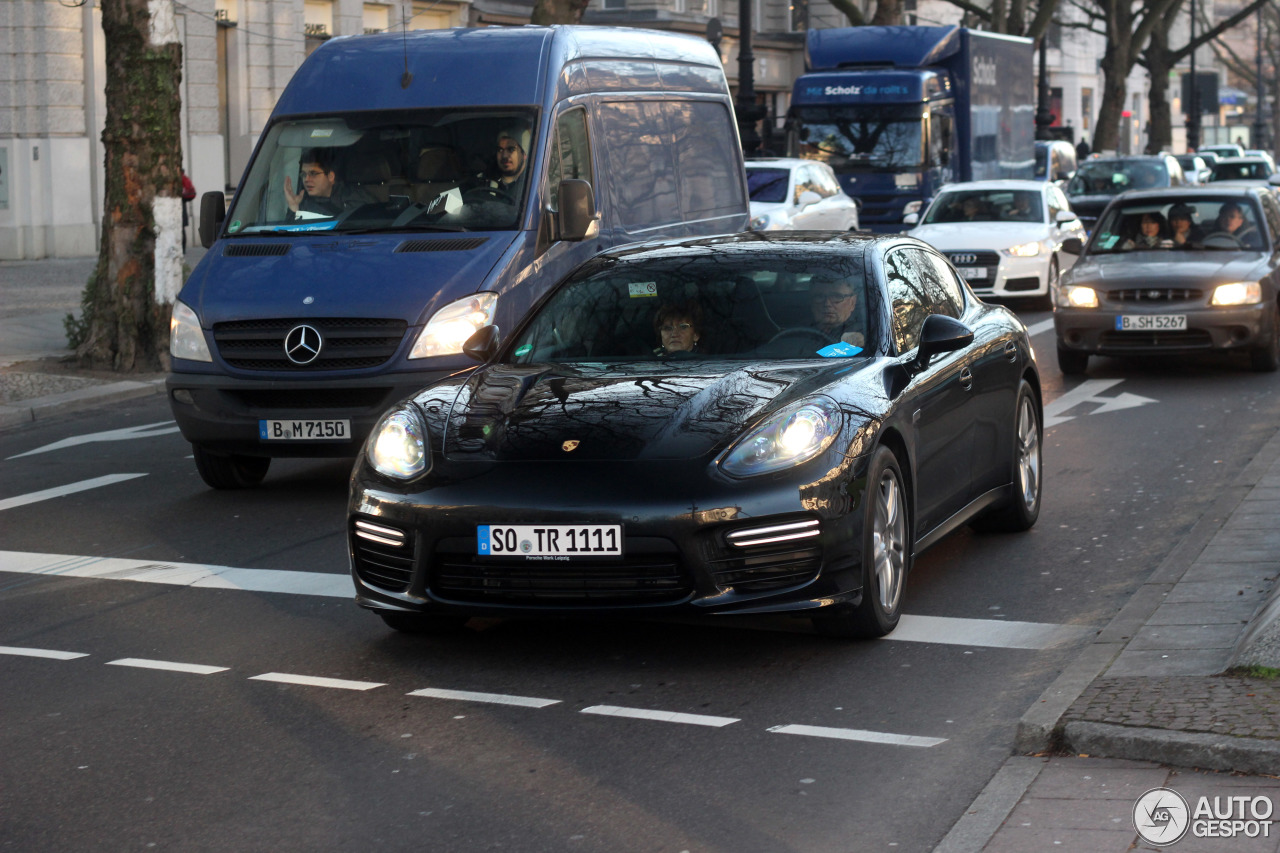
column 1099, row 179
column 1005, row 237
column 1190, row 270
column 1195, row 168
column 1265, row 155
column 556, row 478
column 1224, row 150
column 1055, row 161
column 797, row 195
column 1242, row 169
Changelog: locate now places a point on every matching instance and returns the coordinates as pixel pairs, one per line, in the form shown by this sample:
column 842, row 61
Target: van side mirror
column 1073, row 246
column 940, row 334
column 213, row 209
column 483, row 345
column 577, row 217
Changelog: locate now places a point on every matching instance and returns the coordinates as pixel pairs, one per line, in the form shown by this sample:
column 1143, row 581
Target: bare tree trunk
column 548, row 12
column 126, row 321
column 1116, row 62
column 1158, row 64
column 888, row 13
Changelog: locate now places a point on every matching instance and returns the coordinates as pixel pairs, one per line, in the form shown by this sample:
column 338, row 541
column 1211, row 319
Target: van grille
column 348, row 343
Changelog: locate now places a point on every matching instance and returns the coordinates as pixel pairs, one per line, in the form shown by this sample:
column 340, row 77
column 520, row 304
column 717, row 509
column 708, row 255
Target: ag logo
column 1161, row 816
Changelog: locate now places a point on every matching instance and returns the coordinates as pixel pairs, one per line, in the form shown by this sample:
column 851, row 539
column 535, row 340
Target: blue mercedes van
column 384, row 218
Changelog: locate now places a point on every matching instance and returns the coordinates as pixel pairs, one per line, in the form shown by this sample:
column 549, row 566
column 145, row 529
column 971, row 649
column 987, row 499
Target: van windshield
column 453, row 170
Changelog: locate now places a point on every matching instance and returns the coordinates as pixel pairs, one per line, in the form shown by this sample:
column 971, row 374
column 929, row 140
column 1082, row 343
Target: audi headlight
column 760, row 223
column 1075, row 296
column 790, row 437
column 1022, row 250
column 449, row 328
column 398, row 446
column 186, row 338
column 1237, row 293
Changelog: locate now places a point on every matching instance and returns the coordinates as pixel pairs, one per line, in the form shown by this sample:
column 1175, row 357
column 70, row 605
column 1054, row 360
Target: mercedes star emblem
column 302, row 344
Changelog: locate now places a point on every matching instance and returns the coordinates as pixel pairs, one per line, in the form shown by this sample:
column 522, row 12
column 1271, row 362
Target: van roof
column 456, row 68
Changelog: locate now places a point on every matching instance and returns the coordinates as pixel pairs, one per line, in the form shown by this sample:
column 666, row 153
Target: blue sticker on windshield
column 525, row 349
column 318, row 226
column 840, row 350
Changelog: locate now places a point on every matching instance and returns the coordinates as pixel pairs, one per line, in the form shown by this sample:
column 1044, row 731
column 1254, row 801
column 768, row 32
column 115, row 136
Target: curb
column 38, row 408
column 1183, row 749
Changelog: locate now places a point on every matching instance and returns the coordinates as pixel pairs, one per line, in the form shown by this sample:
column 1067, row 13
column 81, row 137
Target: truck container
column 900, row 111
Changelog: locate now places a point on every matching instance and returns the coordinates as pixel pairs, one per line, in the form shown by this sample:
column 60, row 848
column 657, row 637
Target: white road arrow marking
column 1087, row 392
column 69, row 489
column 145, row 431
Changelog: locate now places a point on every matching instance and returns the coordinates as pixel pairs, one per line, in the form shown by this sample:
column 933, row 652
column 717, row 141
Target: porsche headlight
column 1075, row 296
column 449, row 328
column 794, row 435
column 186, row 338
column 1237, row 293
column 1022, row 250
column 398, row 446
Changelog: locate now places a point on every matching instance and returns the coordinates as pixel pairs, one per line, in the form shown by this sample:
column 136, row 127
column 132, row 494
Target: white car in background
column 797, row 195
column 1004, row 237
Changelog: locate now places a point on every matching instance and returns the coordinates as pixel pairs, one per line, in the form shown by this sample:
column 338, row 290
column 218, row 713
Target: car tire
column 886, row 556
column 1072, row 363
column 422, row 623
column 1266, row 358
column 1045, row 302
column 230, row 471
column 1026, row 489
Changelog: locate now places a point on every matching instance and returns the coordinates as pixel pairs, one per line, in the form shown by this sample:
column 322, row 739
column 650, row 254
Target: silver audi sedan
column 1178, row 270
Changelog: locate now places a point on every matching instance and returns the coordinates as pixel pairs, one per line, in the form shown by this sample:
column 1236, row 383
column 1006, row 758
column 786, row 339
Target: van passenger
column 321, row 192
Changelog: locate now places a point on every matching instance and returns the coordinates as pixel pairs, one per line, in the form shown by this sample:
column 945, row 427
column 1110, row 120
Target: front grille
column 377, row 560
column 974, row 259
column 881, row 209
column 1016, row 285
column 1189, row 339
column 1155, row 294
column 649, row 574
column 349, row 343
column 312, row 398
column 767, row 567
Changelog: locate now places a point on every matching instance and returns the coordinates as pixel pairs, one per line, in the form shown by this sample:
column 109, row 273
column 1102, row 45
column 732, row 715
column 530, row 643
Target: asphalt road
column 161, row 715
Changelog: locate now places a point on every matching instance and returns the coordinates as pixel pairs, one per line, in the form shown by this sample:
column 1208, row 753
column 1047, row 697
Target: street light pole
column 1193, row 113
column 1044, row 118
column 1259, row 125
column 749, row 112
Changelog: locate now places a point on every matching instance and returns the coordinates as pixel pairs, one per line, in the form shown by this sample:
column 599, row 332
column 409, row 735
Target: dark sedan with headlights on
column 747, row 424
column 1187, row 270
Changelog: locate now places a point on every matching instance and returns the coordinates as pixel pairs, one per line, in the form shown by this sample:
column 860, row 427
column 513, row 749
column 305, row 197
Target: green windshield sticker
column 524, row 350
column 1107, row 241
column 234, row 227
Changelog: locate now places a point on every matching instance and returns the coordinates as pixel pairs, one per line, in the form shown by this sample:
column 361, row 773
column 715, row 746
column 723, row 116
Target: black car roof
column 1196, row 191
column 753, row 241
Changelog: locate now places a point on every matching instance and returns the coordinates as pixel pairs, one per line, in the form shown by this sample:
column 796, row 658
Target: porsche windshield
column 742, row 305
column 453, row 170
column 1173, row 224
column 851, row 138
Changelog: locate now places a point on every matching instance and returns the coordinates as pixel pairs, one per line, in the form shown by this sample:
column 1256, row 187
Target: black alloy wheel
column 1023, row 507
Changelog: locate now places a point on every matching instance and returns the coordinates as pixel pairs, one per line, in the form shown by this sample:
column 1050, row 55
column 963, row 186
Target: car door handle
column 1011, row 351
column 966, row 378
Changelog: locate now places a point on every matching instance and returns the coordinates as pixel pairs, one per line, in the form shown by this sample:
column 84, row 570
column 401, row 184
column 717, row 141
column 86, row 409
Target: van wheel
column 886, row 556
column 1072, row 363
column 230, row 471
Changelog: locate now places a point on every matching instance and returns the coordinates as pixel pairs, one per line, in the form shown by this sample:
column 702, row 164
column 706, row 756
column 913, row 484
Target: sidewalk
column 1147, row 701
column 37, row 377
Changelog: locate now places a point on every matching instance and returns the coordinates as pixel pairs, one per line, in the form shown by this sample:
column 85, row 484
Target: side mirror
column 942, row 334
column 1274, row 180
column 577, row 217
column 807, row 198
column 1066, row 216
column 911, row 219
column 213, row 209
column 483, row 345
column 1073, row 246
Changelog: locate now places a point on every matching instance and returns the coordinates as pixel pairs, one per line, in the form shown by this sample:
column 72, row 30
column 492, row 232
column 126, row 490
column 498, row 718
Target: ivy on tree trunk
column 125, row 327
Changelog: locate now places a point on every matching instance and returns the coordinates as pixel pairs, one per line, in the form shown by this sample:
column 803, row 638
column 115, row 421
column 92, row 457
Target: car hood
column 337, row 276
column 1197, row 270
column 635, row 411
column 980, row 235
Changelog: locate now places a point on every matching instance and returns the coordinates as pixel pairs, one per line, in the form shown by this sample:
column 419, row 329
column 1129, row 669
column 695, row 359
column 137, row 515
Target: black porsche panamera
column 776, row 461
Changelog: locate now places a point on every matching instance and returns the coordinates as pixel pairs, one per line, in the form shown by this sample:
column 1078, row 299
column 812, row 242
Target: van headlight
column 1237, row 293
column 449, row 328
column 398, row 446
column 790, row 437
column 186, row 338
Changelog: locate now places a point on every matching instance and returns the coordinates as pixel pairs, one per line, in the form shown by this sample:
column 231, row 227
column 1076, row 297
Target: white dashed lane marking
column 661, row 716
column 1042, row 326
column 171, row 666
column 315, row 681
column 859, row 735
column 41, row 653
column 980, row 633
column 69, row 489
column 490, row 698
